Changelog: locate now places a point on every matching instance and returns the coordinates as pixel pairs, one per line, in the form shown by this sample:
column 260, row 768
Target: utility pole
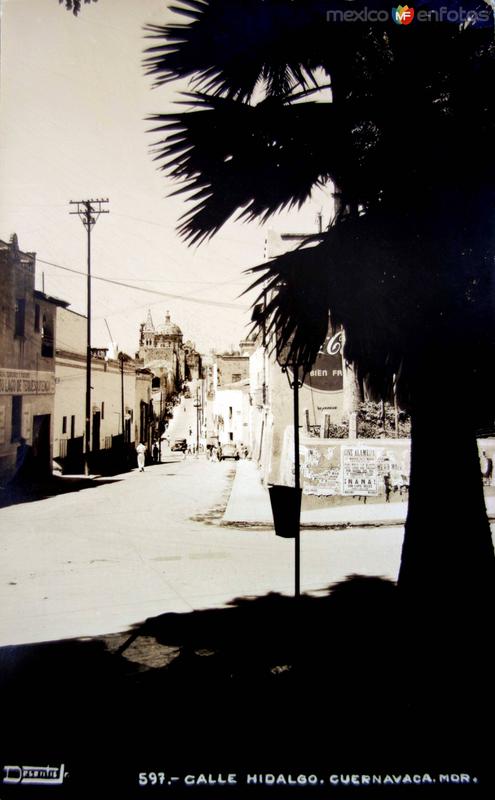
column 396, row 408
column 88, row 212
column 198, row 407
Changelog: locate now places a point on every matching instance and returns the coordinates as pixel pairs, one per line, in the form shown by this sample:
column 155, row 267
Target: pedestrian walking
column 24, row 462
column 388, row 486
column 141, row 451
column 156, row 452
column 486, row 465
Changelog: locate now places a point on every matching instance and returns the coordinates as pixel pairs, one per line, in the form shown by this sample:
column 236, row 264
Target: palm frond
column 397, row 286
column 232, row 157
column 245, row 40
column 74, row 5
column 293, row 303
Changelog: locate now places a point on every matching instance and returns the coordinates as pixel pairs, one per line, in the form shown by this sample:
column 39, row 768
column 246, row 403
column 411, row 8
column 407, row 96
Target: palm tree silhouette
column 406, row 265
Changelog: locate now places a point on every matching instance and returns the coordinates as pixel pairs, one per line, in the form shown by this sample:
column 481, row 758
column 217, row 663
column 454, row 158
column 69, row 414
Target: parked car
column 180, row 445
column 228, row 450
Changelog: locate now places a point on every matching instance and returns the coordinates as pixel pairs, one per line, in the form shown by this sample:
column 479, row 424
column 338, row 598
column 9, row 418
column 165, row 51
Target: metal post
column 122, row 394
column 197, row 419
column 396, row 408
column 161, row 424
column 297, row 481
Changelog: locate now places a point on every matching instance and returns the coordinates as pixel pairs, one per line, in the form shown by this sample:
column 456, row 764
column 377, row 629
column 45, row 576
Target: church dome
column 169, row 328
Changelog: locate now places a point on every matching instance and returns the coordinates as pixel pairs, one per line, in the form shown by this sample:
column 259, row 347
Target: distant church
column 163, row 351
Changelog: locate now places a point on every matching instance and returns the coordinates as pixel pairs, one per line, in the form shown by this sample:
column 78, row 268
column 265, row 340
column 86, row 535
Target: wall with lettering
column 24, row 381
column 327, row 372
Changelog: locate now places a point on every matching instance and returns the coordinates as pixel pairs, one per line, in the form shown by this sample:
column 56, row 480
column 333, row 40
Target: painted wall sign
column 25, row 381
column 327, row 372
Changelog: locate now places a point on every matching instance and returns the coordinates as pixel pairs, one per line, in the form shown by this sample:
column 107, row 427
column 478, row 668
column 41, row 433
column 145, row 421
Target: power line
column 187, row 298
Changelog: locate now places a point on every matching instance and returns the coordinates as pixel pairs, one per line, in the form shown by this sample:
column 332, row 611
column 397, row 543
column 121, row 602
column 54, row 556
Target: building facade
column 323, row 395
column 28, row 327
column 231, row 413
column 161, row 350
column 121, row 411
column 231, row 368
column 171, row 362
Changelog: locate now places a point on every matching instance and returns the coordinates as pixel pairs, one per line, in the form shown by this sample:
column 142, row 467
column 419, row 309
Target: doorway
column 96, row 431
column 41, row 443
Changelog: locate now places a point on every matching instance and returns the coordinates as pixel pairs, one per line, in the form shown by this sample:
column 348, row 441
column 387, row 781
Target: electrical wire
column 188, row 298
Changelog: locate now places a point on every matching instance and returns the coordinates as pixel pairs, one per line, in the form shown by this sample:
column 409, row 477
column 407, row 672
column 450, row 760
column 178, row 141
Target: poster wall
column 342, row 468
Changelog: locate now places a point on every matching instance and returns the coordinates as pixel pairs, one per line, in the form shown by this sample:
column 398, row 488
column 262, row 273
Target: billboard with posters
column 333, row 467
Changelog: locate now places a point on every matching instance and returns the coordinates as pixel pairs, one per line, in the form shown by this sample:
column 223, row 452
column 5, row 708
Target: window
column 64, row 424
column 230, row 412
column 235, row 377
column 103, row 410
column 47, row 338
column 16, row 417
column 37, row 318
column 20, row 316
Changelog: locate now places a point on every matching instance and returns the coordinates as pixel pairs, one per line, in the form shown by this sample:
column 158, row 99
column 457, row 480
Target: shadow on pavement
column 334, row 684
column 29, row 491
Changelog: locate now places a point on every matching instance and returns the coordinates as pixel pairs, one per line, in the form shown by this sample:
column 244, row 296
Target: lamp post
column 286, row 500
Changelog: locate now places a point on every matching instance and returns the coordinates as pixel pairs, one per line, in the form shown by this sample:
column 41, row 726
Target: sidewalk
column 249, row 505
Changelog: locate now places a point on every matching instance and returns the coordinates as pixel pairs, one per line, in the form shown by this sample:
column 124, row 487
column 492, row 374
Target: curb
column 311, row 526
column 324, row 526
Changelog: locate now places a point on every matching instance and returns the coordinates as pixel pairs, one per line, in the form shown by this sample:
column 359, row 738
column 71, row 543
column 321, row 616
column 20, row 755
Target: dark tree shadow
column 336, row 682
column 27, row 491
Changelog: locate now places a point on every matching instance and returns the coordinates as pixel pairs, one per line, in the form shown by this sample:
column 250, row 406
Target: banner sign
column 25, row 381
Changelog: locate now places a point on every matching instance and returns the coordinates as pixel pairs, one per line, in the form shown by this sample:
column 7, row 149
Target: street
column 85, row 565
column 183, row 425
column 140, row 544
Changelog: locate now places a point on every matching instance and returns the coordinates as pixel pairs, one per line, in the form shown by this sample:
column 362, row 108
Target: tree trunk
column 448, row 566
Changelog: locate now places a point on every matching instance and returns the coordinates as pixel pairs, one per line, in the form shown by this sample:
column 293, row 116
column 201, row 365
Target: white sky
column 73, row 104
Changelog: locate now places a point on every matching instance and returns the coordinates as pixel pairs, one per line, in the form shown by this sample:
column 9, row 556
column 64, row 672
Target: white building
column 114, row 384
column 231, row 411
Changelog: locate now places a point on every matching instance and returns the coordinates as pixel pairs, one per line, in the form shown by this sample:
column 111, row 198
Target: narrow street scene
column 247, row 430
column 135, row 545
